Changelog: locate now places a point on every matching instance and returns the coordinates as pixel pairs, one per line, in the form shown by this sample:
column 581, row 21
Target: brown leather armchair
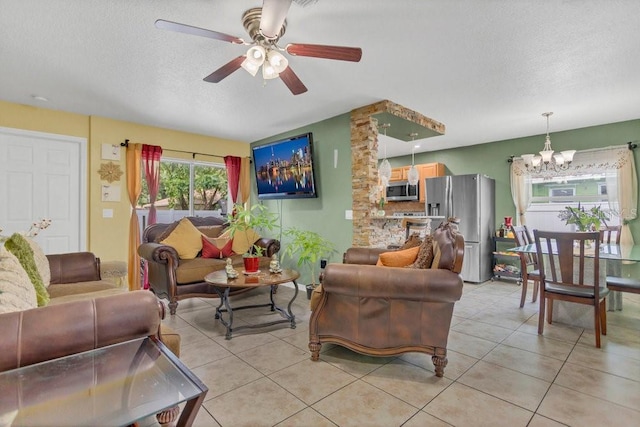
column 385, row 311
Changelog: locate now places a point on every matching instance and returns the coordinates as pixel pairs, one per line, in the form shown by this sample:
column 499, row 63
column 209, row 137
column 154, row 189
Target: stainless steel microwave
column 400, row 191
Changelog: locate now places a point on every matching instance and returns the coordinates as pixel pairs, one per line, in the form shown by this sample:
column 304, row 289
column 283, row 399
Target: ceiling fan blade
column 225, row 70
column 292, row 81
column 328, row 52
column 274, row 12
column 196, row 31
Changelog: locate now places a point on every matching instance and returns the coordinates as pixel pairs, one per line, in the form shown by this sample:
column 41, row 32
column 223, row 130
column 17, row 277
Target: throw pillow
column 216, row 247
column 42, row 263
column 18, row 245
column 185, row 239
column 436, row 255
column 211, row 230
column 425, row 254
column 242, row 240
column 16, row 291
column 400, row 258
column 167, row 231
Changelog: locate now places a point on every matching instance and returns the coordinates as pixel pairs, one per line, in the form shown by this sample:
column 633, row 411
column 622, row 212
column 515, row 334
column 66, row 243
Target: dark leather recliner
column 386, row 311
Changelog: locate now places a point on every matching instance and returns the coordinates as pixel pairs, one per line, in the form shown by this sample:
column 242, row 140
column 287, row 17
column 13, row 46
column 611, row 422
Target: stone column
column 364, row 162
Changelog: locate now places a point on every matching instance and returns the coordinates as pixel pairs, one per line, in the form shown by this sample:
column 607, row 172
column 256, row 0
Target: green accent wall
column 491, row 158
column 326, row 214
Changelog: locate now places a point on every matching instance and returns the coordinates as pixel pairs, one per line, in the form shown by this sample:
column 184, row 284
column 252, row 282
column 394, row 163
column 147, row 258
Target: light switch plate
column 348, row 214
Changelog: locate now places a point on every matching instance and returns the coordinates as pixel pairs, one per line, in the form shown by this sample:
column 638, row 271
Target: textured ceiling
column 486, row 69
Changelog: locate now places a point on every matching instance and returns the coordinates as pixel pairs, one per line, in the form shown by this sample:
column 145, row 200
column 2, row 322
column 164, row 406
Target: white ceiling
column 486, row 69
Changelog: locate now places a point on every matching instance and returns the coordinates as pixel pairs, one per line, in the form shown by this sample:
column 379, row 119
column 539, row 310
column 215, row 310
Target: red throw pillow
column 210, row 250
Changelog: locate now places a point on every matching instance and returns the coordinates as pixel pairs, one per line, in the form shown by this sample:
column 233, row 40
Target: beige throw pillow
column 186, row 239
column 242, row 240
column 16, row 291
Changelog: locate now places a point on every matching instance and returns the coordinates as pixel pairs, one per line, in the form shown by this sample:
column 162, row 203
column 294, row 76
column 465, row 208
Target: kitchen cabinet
column 425, row 170
column 428, row 170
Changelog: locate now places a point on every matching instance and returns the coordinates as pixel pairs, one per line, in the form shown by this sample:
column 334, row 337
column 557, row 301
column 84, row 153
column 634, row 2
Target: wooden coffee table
column 223, row 285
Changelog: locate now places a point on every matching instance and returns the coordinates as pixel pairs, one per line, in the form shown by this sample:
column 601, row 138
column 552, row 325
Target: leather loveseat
column 55, row 331
column 386, row 311
column 76, row 276
column 176, row 279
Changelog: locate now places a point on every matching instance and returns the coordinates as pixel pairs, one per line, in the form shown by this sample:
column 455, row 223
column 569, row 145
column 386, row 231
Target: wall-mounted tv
column 284, row 168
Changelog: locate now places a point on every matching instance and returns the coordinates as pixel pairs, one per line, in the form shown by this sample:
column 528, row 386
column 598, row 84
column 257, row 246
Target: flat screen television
column 284, row 168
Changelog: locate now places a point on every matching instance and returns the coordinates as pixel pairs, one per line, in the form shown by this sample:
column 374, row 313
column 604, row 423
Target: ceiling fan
column 265, row 26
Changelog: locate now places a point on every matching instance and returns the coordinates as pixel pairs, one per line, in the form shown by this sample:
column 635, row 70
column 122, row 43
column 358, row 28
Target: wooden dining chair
column 559, row 255
column 611, row 234
column 528, row 263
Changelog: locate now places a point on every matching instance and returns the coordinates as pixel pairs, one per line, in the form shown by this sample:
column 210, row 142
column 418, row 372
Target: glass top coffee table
column 115, row 385
column 223, row 285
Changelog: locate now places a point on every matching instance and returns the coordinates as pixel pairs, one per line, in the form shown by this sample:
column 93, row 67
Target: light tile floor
column 500, row 372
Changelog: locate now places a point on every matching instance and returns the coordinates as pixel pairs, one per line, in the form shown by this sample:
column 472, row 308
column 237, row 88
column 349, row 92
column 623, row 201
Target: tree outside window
column 183, row 184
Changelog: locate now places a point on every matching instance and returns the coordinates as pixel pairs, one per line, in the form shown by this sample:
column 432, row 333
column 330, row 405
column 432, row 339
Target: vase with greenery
column 256, row 218
column 308, row 247
column 584, row 220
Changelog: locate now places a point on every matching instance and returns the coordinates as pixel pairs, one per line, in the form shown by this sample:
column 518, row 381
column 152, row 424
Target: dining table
column 622, row 257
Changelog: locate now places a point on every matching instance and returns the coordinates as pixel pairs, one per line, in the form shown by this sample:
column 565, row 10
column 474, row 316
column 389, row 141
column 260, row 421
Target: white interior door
column 43, row 176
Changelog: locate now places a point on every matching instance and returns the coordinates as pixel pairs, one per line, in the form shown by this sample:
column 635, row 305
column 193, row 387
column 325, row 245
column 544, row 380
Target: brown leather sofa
column 385, row 311
column 54, row 331
column 177, row 279
column 76, row 276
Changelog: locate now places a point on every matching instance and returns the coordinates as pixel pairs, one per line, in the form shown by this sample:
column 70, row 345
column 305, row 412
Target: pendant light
column 414, row 176
column 384, row 170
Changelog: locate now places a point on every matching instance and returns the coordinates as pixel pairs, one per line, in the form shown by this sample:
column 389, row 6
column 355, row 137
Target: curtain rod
column 630, row 145
column 193, row 154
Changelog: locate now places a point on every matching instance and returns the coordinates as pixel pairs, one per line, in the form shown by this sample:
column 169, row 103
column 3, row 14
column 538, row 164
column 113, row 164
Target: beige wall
column 107, row 237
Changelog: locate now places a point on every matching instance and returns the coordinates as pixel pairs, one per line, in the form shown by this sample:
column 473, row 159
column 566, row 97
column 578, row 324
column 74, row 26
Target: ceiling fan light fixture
column 250, row 67
column 268, row 72
column 277, row 60
column 256, row 55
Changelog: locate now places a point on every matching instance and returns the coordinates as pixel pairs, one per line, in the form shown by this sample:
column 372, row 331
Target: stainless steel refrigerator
column 472, row 199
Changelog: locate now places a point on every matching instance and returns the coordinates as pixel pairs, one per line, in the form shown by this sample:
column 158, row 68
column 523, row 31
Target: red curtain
column 233, row 175
column 151, row 155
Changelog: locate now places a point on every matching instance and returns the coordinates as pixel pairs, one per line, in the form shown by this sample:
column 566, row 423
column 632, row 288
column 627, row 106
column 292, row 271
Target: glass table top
column 113, row 385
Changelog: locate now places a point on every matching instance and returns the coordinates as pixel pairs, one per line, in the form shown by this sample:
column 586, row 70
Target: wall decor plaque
column 110, row 172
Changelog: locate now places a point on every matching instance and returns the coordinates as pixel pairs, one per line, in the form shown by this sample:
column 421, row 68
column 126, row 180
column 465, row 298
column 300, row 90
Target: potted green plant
column 584, row 220
column 243, row 219
column 308, row 247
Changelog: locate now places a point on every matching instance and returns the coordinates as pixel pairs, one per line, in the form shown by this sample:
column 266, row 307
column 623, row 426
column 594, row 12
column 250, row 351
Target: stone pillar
column 364, row 172
column 364, row 162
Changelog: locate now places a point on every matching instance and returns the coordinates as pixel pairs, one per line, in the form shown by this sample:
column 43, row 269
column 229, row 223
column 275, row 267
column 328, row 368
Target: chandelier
column 547, row 160
column 384, row 170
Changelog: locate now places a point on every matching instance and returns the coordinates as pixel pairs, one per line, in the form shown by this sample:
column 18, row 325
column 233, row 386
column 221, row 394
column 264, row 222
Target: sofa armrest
column 269, row 246
column 156, row 252
column 429, row 285
column 49, row 332
column 364, row 256
column 74, row 267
